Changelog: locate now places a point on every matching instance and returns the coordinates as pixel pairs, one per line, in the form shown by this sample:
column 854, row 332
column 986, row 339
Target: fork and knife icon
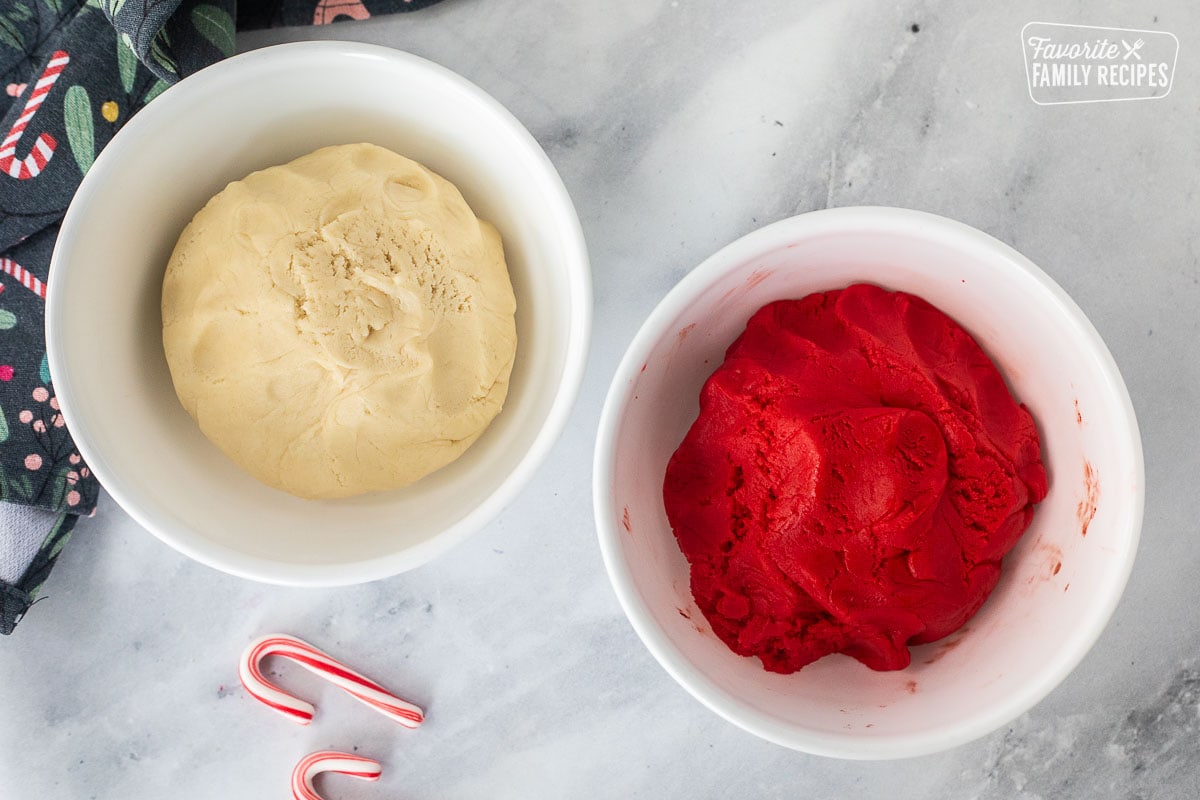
column 1132, row 49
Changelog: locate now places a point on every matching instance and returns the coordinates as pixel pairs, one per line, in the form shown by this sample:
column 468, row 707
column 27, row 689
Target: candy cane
column 43, row 146
column 312, row 659
column 330, row 761
column 24, row 276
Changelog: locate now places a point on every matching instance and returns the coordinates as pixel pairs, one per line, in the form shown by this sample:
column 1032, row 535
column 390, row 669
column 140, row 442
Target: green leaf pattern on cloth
column 81, row 132
column 126, row 64
column 15, row 489
column 160, row 52
column 54, row 544
column 215, row 25
column 155, row 90
column 59, row 493
column 10, row 33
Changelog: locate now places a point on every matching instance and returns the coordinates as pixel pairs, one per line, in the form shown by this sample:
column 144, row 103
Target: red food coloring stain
column 911, row 687
column 1086, row 511
column 1053, row 560
column 945, row 648
column 1068, row 586
column 870, row 725
column 643, row 368
column 758, row 277
column 625, row 521
column 683, row 612
column 1078, row 413
column 683, row 334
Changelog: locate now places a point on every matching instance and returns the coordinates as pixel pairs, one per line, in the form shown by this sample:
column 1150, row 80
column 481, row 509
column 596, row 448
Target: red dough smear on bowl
column 857, row 473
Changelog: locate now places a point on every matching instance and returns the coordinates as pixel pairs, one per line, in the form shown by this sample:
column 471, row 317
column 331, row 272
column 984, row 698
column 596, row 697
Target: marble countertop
column 679, row 125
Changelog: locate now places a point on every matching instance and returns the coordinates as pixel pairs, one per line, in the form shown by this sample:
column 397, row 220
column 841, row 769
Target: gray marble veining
column 679, row 125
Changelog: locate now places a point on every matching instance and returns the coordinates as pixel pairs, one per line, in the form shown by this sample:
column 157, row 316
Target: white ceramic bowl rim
column 766, row 239
column 188, row 540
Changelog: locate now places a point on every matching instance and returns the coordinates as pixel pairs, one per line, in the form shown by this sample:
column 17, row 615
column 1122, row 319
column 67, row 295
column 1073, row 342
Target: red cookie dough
column 857, row 472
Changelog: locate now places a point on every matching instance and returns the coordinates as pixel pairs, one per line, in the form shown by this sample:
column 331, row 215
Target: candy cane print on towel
column 23, row 276
column 319, row 663
column 314, row 764
column 43, row 147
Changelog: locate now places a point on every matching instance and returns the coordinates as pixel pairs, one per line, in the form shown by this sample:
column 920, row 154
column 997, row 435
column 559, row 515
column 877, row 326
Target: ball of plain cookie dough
column 340, row 324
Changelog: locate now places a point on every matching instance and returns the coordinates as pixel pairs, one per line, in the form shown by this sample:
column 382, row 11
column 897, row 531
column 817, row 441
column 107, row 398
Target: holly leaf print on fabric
column 215, row 25
column 60, row 540
column 19, row 488
column 3, row 426
column 154, row 91
column 158, row 51
column 59, row 493
column 10, row 34
column 126, row 65
column 81, row 135
column 8, row 320
column 44, row 370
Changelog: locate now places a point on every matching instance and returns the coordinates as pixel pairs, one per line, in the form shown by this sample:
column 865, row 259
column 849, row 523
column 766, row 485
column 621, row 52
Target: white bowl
column 105, row 332
column 1059, row 587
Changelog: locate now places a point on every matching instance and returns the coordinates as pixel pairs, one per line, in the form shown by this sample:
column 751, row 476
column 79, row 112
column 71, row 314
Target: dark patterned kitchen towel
column 71, row 73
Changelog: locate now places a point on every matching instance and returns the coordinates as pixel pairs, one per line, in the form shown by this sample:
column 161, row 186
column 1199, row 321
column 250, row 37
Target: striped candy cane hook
column 330, row 761
column 43, row 146
column 359, row 687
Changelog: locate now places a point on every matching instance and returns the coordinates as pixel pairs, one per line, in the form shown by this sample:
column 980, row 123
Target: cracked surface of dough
column 340, row 324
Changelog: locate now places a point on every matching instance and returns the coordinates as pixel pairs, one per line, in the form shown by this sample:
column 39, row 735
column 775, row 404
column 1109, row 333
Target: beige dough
column 340, row 324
